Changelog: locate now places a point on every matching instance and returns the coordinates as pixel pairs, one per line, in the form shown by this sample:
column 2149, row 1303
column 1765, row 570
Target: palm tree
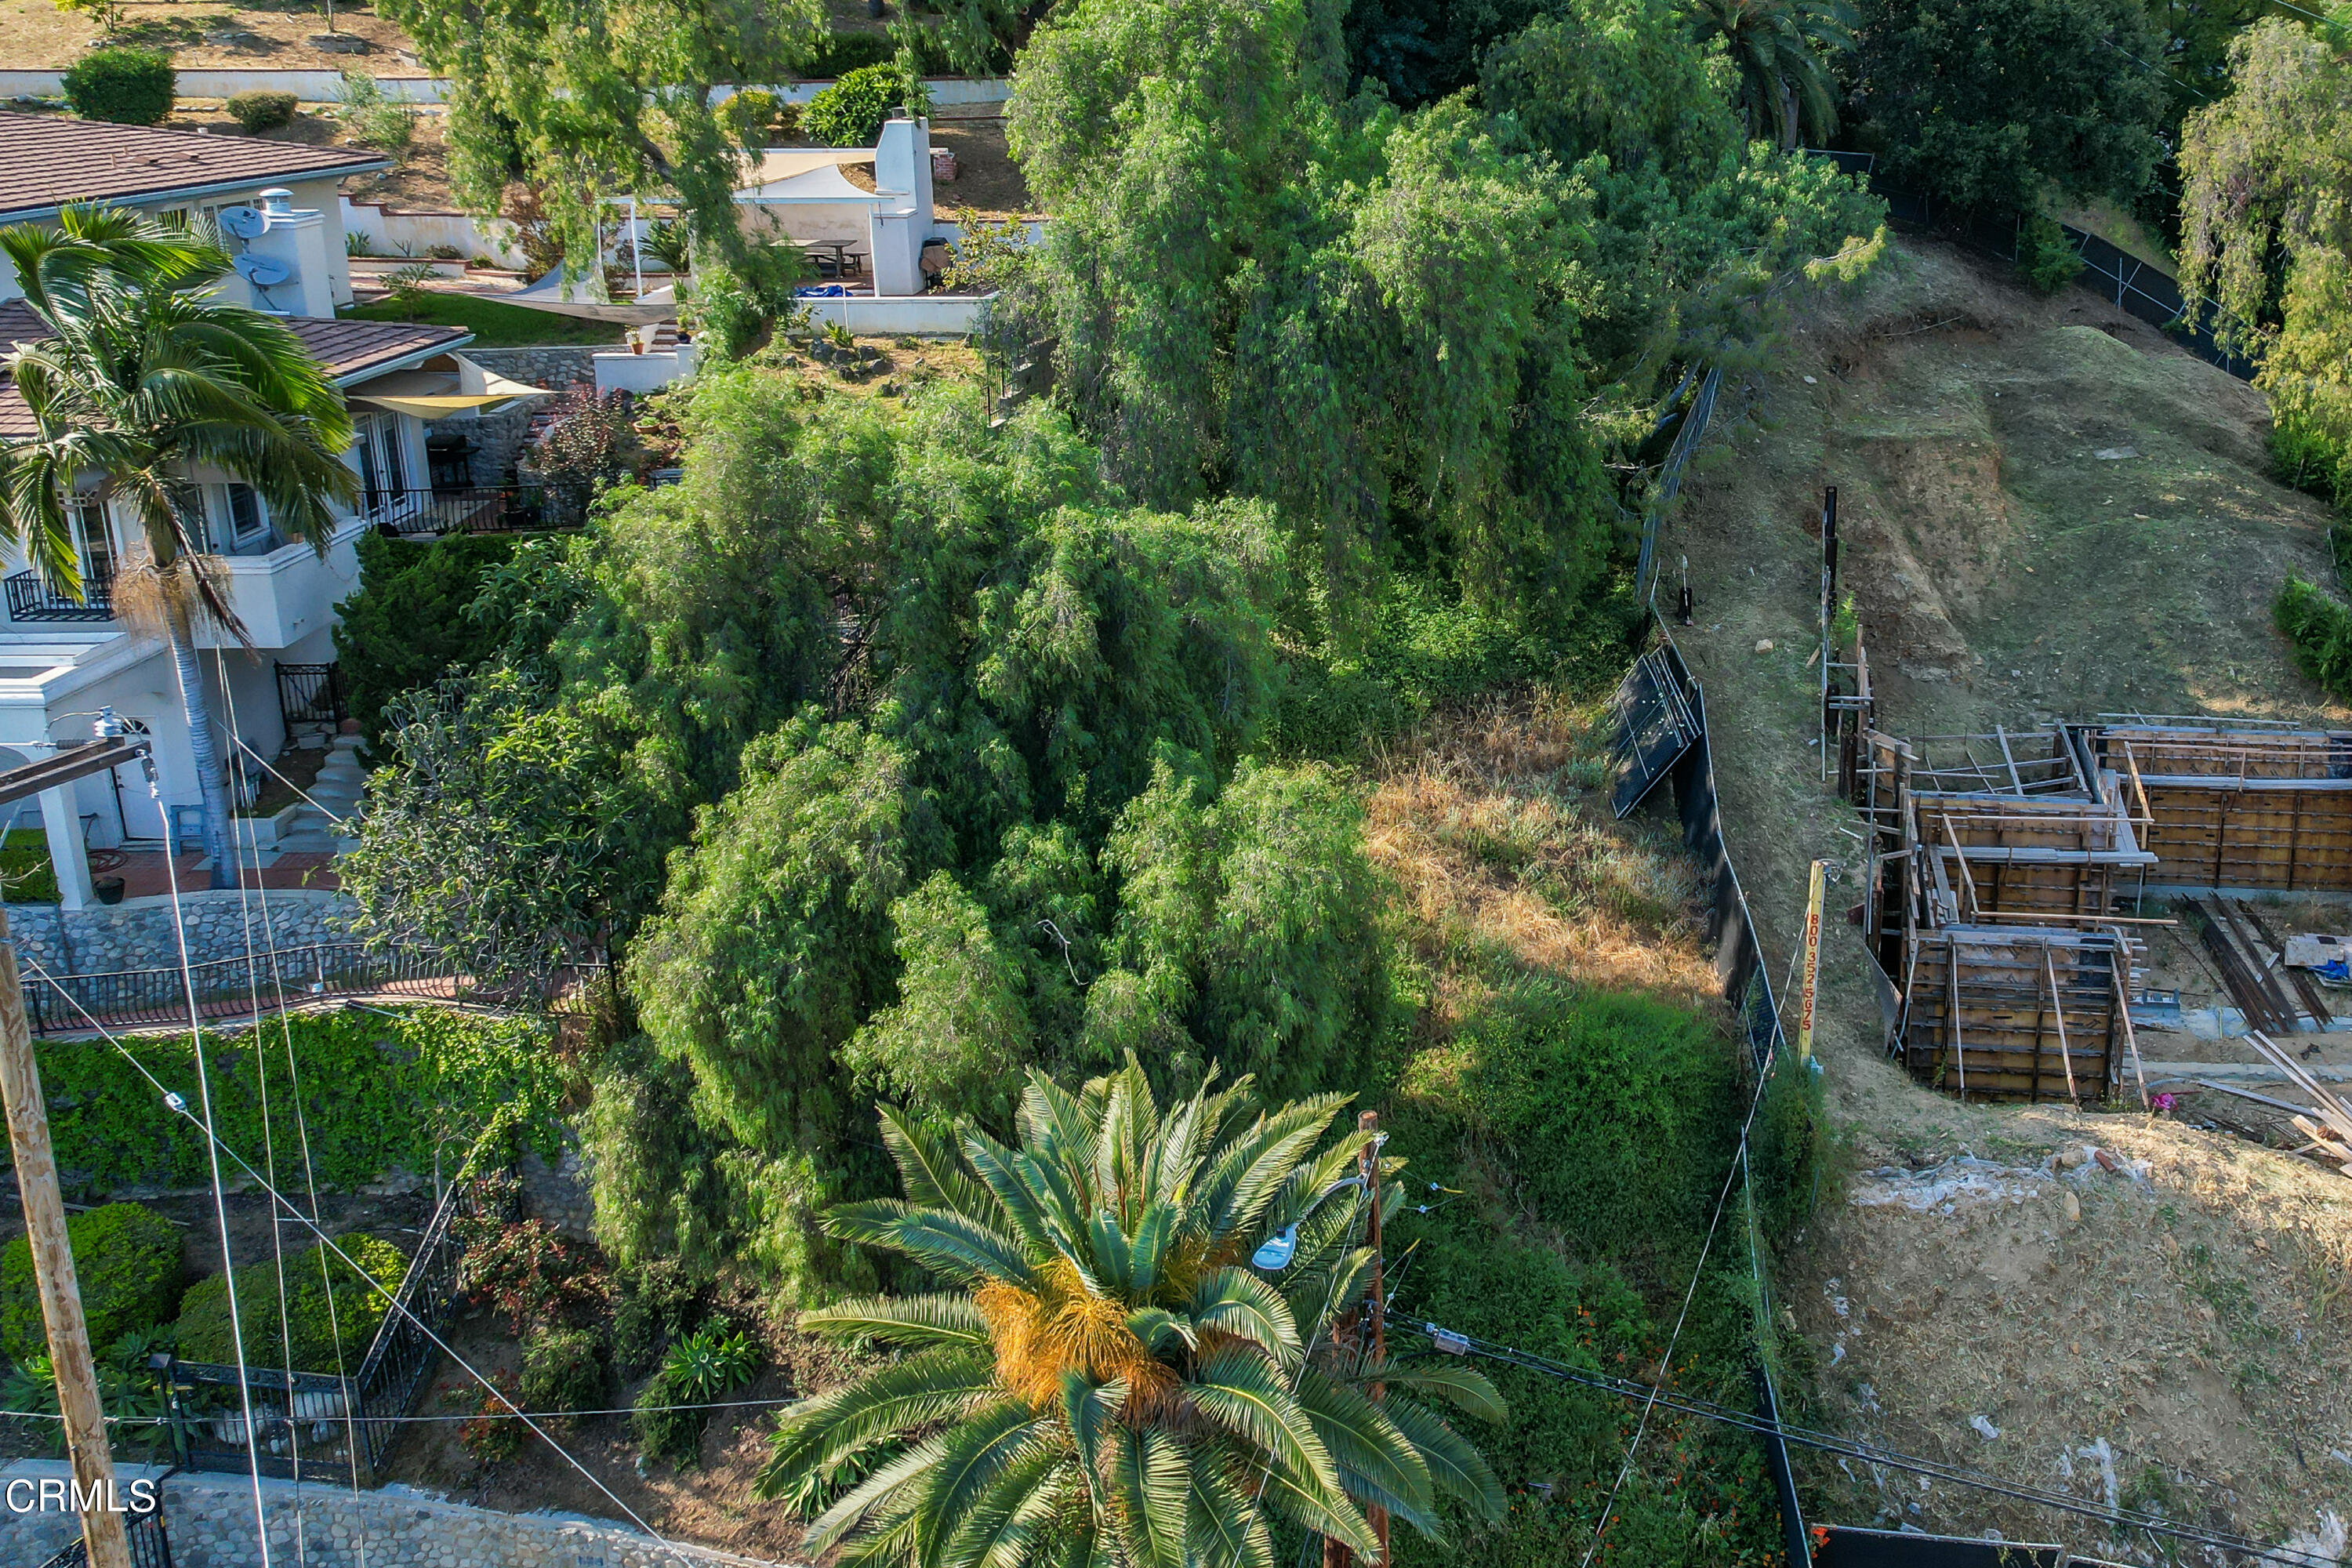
column 141, row 379
column 1781, row 48
column 1108, row 1379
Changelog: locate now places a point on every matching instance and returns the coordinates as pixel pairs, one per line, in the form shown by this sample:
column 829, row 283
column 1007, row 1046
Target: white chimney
column 299, row 240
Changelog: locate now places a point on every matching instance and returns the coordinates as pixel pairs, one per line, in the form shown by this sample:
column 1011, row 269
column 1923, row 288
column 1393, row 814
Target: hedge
column 126, row 1262
column 301, row 1319
column 2321, row 632
column 380, row 1090
column 262, row 110
column 850, row 112
column 129, row 87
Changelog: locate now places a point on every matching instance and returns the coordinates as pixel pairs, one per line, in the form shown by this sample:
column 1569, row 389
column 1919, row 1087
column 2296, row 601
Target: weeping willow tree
column 2267, row 233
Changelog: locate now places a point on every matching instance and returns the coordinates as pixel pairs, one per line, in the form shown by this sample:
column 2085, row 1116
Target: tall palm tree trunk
column 204, row 746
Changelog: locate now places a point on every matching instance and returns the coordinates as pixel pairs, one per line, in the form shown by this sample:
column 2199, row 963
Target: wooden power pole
column 1368, row 1165
column 1367, row 1333
column 53, row 1271
column 102, row 1532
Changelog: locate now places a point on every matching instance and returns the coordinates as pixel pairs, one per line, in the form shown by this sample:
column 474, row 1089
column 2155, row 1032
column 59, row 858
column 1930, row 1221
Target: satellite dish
column 261, row 271
column 244, row 222
column 1277, row 1250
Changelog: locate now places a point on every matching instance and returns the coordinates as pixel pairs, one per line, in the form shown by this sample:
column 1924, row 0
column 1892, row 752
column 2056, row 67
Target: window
column 384, row 474
column 245, row 520
column 93, row 539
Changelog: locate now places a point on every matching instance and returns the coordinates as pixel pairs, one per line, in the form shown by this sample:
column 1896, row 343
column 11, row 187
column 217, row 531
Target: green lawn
column 494, row 326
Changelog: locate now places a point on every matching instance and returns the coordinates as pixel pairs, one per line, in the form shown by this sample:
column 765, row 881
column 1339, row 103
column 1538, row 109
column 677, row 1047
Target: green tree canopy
column 1984, row 104
column 2267, row 232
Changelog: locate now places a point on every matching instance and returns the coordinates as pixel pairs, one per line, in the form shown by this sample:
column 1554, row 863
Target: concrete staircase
column 337, row 789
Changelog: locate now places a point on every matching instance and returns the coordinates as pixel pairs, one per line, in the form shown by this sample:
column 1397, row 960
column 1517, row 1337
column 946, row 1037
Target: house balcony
column 504, row 508
column 32, row 600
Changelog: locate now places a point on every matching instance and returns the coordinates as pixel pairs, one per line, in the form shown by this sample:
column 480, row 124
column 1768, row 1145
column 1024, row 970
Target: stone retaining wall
column 497, row 438
column 558, row 1194
column 137, row 933
column 210, row 1522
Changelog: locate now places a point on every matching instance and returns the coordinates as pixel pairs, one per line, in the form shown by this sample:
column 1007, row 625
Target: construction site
column 2086, row 837
column 2040, row 900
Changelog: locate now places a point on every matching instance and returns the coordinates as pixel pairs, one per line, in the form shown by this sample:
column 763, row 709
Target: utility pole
column 1368, row 1165
column 102, row 1532
column 53, row 1271
column 1357, row 1330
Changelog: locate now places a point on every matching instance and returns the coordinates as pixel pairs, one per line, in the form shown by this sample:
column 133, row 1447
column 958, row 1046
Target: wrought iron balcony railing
column 31, row 598
column 502, row 509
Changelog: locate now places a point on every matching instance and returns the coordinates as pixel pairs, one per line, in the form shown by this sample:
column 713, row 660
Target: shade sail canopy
column 547, row 294
column 436, row 393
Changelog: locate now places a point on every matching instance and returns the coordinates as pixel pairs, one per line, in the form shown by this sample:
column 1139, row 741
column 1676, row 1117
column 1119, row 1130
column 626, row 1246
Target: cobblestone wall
column 497, row 438
column 558, row 1193
column 210, row 1522
column 137, row 933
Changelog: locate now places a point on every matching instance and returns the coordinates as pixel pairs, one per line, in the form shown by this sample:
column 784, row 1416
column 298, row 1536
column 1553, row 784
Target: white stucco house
column 61, row 659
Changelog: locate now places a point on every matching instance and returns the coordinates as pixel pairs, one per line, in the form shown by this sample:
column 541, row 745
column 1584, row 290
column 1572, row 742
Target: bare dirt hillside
column 2049, row 510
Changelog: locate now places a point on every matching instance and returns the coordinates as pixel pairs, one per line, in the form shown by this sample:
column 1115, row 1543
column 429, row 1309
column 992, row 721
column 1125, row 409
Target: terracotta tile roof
column 47, row 160
column 345, row 348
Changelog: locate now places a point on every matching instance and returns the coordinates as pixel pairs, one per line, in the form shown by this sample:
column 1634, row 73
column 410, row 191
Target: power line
column 180, row 1106
column 480, row 1415
column 204, row 1097
column 1871, row 1453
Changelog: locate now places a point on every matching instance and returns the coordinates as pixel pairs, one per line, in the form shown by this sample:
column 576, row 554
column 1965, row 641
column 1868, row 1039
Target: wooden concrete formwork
column 1998, row 862
column 2245, row 808
column 2017, row 1013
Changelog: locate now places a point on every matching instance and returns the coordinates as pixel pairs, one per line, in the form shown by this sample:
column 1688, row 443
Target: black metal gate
column 311, row 694
column 1655, row 727
column 149, row 1547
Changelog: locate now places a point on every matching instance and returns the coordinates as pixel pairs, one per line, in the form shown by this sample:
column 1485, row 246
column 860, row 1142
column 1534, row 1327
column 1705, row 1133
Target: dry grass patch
column 1493, row 823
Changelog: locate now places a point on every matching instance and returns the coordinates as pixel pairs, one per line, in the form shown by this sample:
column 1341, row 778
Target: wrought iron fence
column 31, row 598
column 149, row 1547
column 230, row 987
column 473, row 508
column 401, row 1360
column 311, row 694
column 241, row 986
column 309, row 1425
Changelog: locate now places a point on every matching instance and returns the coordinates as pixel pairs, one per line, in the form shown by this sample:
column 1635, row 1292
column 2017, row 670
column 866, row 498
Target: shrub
column 304, row 1324
column 593, row 444
column 2321, row 632
column 711, row 1363
column 372, row 118
column 654, row 1305
column 496, row 1434
column 528, row 1271
column 662, row 1431
column 259, row 110
column 850, row 112
column 842, row 53
column 129, row 87
column 2046, row 258
column 127, row 1259
column 1613, row 1110
column 26, row 876
column 406, row 626
column 756, row 118
column 561, row 1371
column 383, row 1091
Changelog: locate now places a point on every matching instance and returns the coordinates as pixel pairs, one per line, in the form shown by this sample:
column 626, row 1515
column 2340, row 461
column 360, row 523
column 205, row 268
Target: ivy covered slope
column 377, row 1090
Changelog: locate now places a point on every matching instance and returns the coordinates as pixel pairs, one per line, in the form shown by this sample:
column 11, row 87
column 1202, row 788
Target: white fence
column 915, row 315
column 326, row 86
